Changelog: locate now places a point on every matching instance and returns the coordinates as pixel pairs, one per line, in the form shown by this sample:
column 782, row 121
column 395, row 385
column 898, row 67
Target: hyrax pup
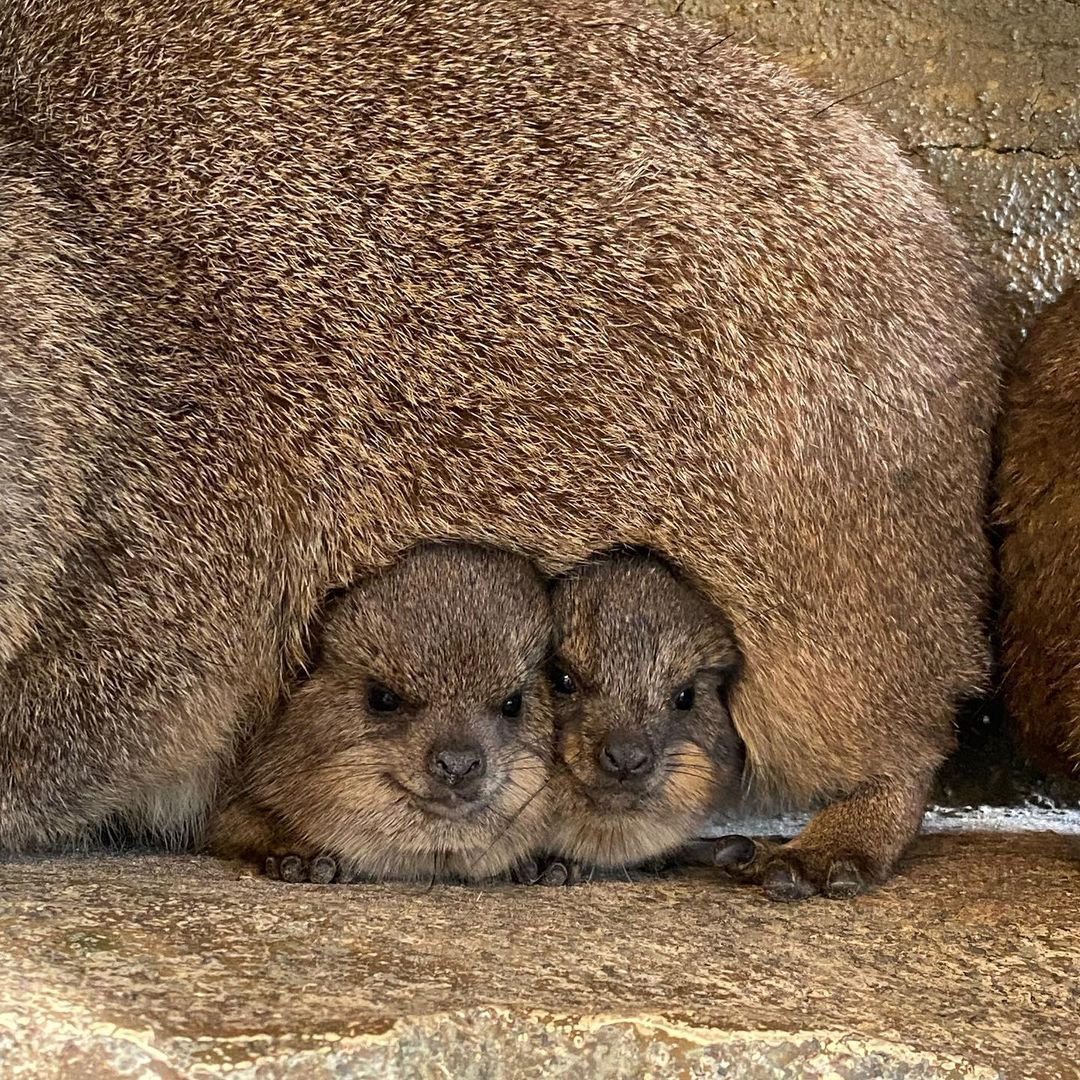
column 420, row 746
column 647, row 751
column 1039, row 509
column 550, row 275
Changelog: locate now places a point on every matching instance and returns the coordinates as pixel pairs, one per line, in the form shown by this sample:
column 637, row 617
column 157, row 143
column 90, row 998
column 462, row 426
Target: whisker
column 521, row 809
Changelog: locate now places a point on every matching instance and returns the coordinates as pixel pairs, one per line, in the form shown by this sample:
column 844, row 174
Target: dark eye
column 511, row 707
column 684, row 699
column 563, row 683
column 380, row 699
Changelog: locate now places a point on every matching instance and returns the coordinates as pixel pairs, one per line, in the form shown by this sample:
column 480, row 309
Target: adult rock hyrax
column 1039, row 508
column 550, row 275
column 643, row 668
column 420, row 746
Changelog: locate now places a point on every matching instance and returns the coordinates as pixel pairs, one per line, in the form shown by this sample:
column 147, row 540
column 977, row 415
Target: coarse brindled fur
column 1039, row 507
column 452, row 631
column 630, row 639
column 552, row 275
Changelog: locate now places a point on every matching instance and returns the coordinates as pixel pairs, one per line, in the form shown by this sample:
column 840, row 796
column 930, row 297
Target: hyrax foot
column 848, row 847
column 295, row 869
column 551, row 872
column 788, row 873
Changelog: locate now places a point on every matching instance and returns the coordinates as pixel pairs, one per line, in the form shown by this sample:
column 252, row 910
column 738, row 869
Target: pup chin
column 613, row 829
column 451, row 808
column 615, row 841
column 449, row 805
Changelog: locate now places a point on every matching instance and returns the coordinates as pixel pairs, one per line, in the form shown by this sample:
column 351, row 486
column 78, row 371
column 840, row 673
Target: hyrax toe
column 547, row 872
column 788, row 873
column 293, row 869
column 322, row 870
column 796, row 875
column 296, row 869
column 845, row 880
column 734, row 852
column 561, row 872
column 785, row 881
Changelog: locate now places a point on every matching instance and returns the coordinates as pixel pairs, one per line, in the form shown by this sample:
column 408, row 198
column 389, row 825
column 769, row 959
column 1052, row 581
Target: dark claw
column 844, row 881
column 527, row 872
column 322, row 871
column 273, row 868
column 783, row 882
column 555, row 873
column 734, row 851
column 292, row 869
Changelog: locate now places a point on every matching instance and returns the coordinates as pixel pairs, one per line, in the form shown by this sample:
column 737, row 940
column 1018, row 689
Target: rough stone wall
column 984, row 94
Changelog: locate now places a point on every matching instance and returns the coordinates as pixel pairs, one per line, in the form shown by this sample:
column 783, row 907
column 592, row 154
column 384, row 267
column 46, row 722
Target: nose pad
column 457, row 765
column 626, row 755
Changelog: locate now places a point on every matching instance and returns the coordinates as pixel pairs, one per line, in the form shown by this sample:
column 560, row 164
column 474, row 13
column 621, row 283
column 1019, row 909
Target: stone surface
column 966, row 965
column 985, row 94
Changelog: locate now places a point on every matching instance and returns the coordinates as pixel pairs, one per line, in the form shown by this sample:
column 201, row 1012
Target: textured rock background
column 985, row 94
column 967, row 965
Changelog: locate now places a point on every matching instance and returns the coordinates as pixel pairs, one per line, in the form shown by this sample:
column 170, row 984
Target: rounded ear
column 314, row 642
column 732, row 668
column 727, row 675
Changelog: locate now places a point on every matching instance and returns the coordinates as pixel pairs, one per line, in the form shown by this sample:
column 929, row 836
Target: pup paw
column 550, row 872
column 298, row 870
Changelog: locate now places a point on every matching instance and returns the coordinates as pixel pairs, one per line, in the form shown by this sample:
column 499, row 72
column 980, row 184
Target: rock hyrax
column 549, row 275
column 420, row 746
column 644, row 665
column 1039, row 509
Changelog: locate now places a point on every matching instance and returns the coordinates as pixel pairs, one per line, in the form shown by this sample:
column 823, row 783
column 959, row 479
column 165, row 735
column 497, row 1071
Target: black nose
column 457, row 765
column 625, row 754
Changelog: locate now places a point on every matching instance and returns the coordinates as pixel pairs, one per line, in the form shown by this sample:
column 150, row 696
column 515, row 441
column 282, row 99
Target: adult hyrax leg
column 851, row 845
column 240, row 827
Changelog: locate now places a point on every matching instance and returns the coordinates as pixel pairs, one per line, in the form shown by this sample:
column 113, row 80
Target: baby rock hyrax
column 643, row 668
column 294, row 287
column 420, row 746
column 1039, row 489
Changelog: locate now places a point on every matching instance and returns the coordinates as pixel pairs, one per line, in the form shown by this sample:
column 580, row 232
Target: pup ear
column 314, row 639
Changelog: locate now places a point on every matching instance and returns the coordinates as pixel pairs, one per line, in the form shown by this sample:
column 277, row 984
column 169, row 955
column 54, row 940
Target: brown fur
column 630, row 637
column 546, row 274
column 453, row 631
column 1039, row 486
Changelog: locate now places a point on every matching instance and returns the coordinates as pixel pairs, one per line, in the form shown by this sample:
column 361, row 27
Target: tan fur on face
column 1039, row 487
column 454, row 631
column 290, row 288
column 680, row 807
column 631, row 635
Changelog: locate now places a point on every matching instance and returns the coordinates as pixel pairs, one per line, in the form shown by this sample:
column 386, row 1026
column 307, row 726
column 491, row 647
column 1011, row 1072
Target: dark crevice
column 1060, row 155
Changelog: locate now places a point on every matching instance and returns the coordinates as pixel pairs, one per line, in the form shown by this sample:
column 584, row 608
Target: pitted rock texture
column 985, row 94
column 966, row 965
